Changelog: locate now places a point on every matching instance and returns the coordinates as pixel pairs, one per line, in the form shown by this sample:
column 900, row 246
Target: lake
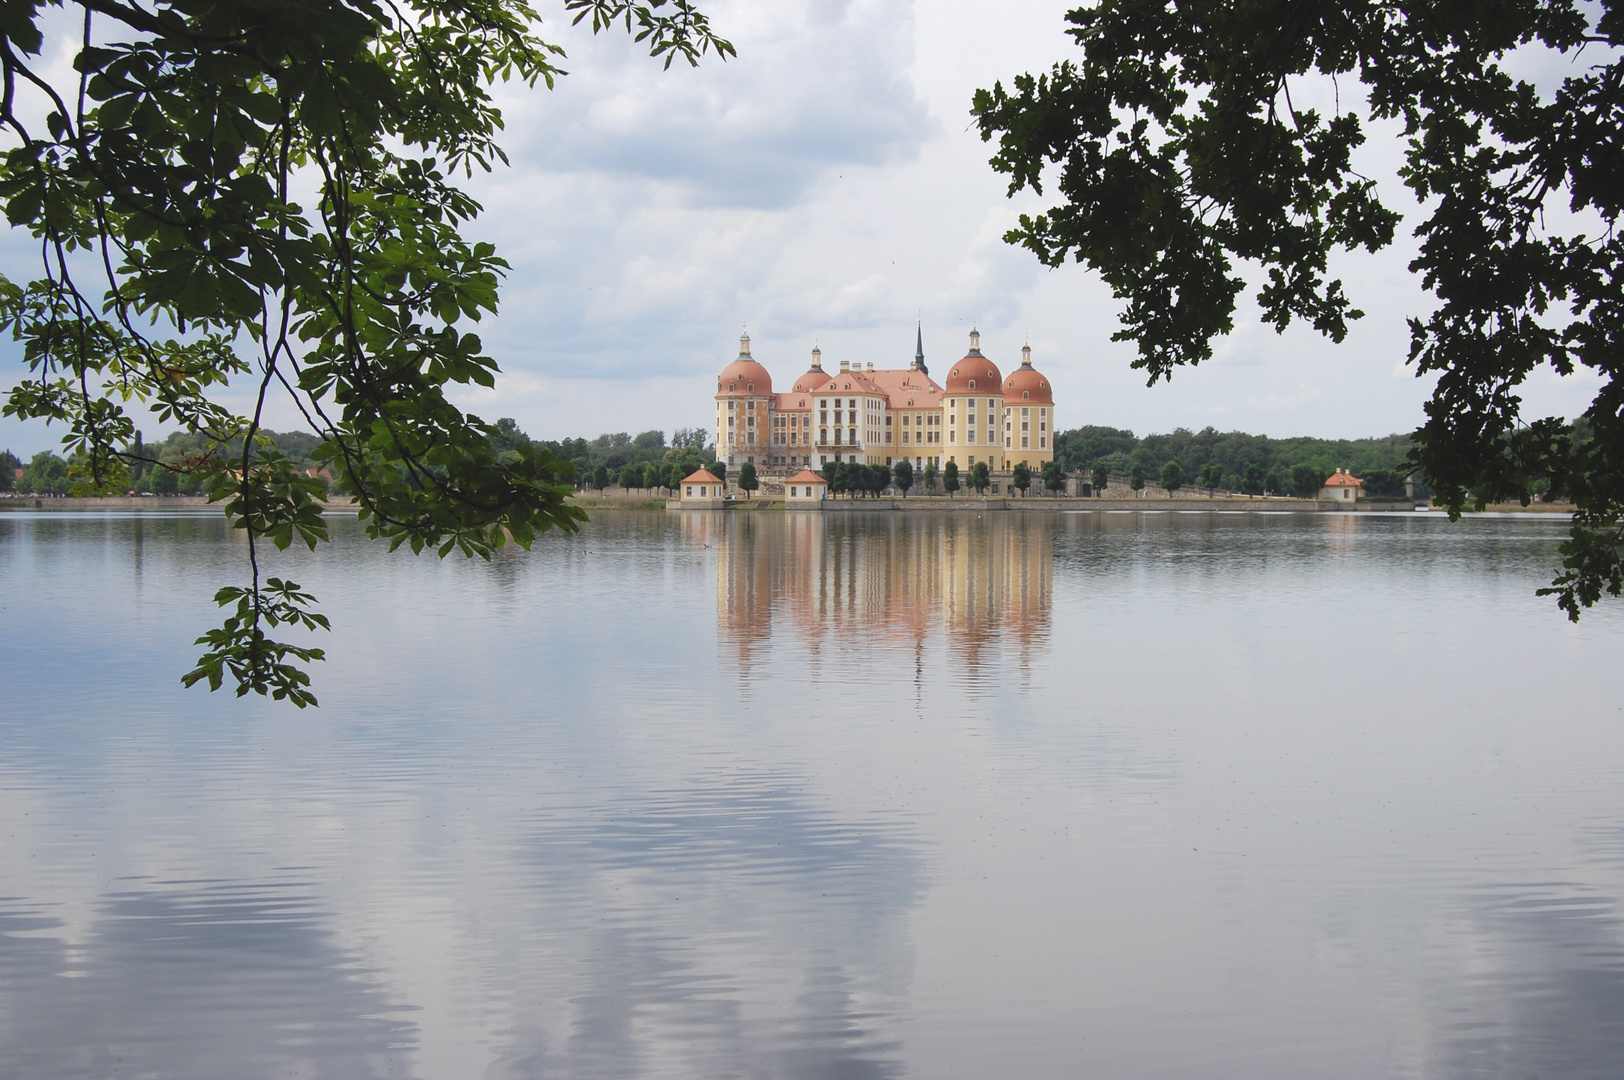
column 853, row 795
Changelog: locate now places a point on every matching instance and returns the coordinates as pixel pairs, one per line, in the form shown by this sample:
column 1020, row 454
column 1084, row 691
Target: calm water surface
column 1101, row 795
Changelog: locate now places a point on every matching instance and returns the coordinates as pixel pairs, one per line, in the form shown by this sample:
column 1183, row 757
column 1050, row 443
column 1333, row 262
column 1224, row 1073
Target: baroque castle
column 884, row 416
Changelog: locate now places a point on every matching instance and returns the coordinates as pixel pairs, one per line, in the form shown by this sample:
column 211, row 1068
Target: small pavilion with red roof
column 805, row 490
column 702, row 489
column 1342, row 486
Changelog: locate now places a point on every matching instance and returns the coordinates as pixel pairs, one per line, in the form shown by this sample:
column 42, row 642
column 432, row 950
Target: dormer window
column 751, row 388
column 1026, row 394
column 972, row 384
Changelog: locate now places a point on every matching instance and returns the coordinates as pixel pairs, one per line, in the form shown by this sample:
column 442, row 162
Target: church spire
column 919, row 350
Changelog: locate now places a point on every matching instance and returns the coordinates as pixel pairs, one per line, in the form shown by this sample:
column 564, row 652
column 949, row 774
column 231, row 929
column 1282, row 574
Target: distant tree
column 45, row 474
column 950, row 477
column 1252, row 479
column 930, row 476
column 747, row 478
column 1054, row 476
column 165, row 480
column 980, row 477
column 689, row 439
column 1022, row 478
column 879, row 478
column 1210, row 476
column 600, row 477
column 1271, row 483
column 904, row 476
column 1101, row 478
column 9, row 464
column 718, row 469
column 1306, row 481
column 1172, row 476
column 1136, row 477
column 650, row 440
column 631, row 476
column 831, row 476
column 1384, row 484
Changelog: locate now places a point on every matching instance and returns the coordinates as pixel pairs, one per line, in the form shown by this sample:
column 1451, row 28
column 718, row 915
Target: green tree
column 1136, row 477
column 718, row 469
column 1306, row 481
column 600, row 477
column 269, row 190
column 1272, row 483
column 831, row 476
column 1172, row 476
column 1054, row 477
column 904, row 475
column 165, row 480
column 1022, row 477
column 1252, row 479
column 9, row 464
column 46, row 474
column 930, row 476
column 630, row 477
column 950, row 477
column 1211, row 475
column 747, row 479
column 1181, row 151
column 980, row 477
column 1101, row 478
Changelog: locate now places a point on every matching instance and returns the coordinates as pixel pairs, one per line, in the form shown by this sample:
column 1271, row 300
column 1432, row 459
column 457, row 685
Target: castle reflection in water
column 827, row 583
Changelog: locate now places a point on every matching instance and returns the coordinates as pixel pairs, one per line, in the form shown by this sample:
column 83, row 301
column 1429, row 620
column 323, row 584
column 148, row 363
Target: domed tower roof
column 814, row 375
column 1027, row 383
column 744, row 377
column 975, row 373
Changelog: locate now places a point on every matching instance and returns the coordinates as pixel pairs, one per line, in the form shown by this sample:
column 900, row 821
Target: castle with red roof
column 885, row 416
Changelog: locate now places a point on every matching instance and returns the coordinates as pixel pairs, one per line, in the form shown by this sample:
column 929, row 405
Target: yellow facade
column 826, row 582
column 884, row 416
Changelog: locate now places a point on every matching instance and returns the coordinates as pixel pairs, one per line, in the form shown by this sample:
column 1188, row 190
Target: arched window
column 1026, row 394
column 751, row 388
column 972, row 384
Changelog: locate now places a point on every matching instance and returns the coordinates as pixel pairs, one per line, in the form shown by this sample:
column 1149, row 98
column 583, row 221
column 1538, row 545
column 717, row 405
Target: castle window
column 751, row 388
column 1026, row 394
column 972, row 384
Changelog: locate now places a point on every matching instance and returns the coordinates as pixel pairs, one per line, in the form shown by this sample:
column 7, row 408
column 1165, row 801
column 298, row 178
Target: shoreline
column 889, row 504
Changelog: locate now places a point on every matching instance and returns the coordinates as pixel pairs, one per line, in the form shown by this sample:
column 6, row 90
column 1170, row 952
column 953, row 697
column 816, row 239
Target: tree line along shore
column 1096, row 456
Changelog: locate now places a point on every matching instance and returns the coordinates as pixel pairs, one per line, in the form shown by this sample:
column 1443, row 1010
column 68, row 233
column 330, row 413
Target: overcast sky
column 826, row 185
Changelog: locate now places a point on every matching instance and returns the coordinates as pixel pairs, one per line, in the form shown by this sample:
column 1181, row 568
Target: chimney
column 845, row 365
column 871, row 365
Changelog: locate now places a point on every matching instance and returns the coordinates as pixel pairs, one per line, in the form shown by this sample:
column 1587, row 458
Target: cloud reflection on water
column 198, row 980
column 725, row 925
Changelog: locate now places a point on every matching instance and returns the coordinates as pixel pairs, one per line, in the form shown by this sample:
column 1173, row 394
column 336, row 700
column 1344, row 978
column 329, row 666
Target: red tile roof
column 702, row 476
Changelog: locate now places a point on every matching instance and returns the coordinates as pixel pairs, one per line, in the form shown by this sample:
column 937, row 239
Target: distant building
column 805, row 488
column 1342, row 486
column 702, row 488
column 884, row 416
